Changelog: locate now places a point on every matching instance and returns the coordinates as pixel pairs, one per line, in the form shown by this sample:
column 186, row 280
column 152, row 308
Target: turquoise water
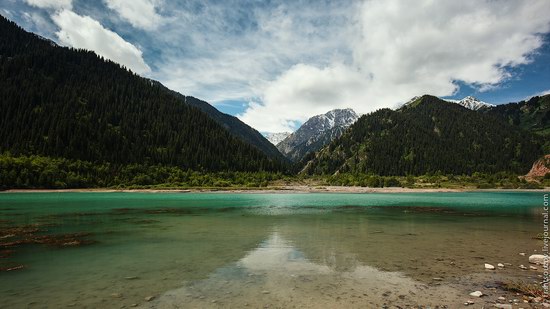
column 278, row 250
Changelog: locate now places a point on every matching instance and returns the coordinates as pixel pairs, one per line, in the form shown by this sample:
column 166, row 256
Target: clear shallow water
column 275, row 250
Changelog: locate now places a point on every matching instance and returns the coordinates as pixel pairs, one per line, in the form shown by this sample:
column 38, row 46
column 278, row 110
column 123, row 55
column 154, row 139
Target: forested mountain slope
column 235, row 126
column 532, row 115
column 427, row 136
column 68, row 103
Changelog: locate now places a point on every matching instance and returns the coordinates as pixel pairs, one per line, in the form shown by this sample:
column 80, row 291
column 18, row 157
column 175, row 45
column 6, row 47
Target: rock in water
column 500, row 265
column 476, row 294
column 503, row 306
column 536, row 259
column 489, row 266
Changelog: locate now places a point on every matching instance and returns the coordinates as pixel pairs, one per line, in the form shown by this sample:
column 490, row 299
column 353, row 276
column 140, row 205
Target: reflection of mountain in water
column 277, row 273
column 421, row 246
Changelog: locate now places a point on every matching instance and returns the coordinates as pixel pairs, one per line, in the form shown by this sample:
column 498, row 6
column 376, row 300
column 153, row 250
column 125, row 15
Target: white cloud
column 538, row 94
column 232, row 50
column 139, row 13
column 295, row 59
column 51, row 4
column 87, row 33
column 304, row 91
column 41, row 24
column 400, row 49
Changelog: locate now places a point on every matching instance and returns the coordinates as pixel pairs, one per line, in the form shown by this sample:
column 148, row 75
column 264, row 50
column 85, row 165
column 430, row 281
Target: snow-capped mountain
column 472, row 103
column 469, row 102
column 276, row 138
column 316, row 133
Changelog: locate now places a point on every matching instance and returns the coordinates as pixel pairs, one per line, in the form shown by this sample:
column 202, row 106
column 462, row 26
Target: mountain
column 468, row 102
column 532, row 115
column 317, row 132
column 276, row 138
column 472, row 103
column 428, row 135
column 69, row 103
column 233, row 125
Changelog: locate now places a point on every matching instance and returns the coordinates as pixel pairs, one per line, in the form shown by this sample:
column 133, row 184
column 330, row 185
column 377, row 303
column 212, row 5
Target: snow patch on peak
column 276, row 138
column 472, row 103
column 316, row 132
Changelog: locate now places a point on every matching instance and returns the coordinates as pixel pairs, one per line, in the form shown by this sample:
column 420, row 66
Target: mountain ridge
column 427, row 136
column 71, row 103
column 233, row 125
column 277, row 137
column 316, row 132
column 472, row 103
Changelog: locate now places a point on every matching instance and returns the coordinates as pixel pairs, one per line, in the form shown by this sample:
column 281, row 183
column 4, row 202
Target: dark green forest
column 532, row 115
column 65, row 103
column 429, row 136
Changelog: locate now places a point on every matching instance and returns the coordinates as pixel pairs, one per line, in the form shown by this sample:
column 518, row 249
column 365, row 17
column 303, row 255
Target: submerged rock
column 503, row 306
column 500, row 265
column 476, row 294
column 149, row 298
column 537, row 259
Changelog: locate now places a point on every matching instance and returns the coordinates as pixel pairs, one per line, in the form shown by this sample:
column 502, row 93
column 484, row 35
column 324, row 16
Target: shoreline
column 278, row 189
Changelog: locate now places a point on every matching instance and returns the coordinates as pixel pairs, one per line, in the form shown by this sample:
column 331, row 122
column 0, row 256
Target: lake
column 268, row 250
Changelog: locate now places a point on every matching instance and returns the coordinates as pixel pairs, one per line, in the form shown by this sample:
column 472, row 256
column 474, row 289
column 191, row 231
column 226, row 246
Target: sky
column 276, row 63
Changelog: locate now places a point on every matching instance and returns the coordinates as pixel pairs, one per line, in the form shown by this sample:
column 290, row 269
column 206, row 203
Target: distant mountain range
column 276, row 138
column 472, row 103
column 320, row 130
column 468, row 102
column 431, row 135
column 316, row 132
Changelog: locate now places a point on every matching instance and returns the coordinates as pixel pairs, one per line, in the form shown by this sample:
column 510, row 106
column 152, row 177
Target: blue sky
column 525, row 81
column 276, row 63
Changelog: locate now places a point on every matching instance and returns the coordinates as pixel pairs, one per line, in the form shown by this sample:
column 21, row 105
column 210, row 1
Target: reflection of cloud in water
column 278, row 274
column 278, row 254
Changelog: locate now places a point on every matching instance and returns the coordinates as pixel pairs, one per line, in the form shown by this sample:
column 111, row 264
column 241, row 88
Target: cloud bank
column 403, row 48
column 289, row 60
column 139, row 13
column 50, row 4
column 84, row 32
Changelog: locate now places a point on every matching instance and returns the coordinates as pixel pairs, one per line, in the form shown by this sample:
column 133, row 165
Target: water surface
column 265, row 250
